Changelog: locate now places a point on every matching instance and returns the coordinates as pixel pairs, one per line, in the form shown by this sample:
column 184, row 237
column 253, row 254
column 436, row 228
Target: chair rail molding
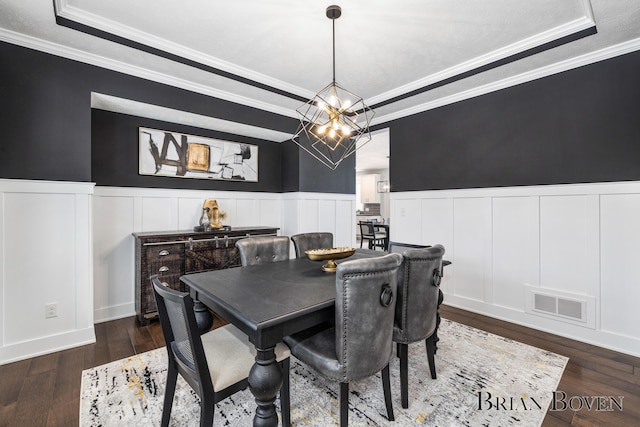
column 576, row 243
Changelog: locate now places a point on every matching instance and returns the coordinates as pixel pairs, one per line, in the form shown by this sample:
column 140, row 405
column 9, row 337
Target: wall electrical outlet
column 50, row 310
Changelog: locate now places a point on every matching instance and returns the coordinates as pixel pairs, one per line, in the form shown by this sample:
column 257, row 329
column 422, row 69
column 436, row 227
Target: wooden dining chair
column 416, row 314
column 359, row 344
column 304, row 241
column 374, row 238
column 216, row 364
column 263, row 249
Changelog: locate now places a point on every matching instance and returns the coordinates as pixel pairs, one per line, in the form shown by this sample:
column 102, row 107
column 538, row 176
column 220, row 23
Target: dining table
column 268, row 302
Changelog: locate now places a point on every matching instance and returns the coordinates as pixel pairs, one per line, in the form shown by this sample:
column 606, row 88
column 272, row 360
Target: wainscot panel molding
column 121, row 211
column 45, row 258
column 329, row 212
column 559, row 258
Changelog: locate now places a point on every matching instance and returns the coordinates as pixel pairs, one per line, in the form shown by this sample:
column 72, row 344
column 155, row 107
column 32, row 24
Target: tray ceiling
column 401, row 57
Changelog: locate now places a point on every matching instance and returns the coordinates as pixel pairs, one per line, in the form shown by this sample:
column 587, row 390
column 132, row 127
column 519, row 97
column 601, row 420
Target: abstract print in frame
column 164, row 153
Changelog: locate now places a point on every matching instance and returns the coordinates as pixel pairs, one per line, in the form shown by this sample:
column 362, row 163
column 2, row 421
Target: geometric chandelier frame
column 335, row 122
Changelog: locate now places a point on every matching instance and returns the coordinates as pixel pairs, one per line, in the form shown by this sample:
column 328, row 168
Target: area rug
column 483, row 380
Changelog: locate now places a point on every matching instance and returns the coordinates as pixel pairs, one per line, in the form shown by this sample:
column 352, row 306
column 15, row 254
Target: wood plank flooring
column 45, row 390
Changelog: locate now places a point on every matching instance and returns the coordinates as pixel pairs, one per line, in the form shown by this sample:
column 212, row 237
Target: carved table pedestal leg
column 204, row 318
column 265, row 380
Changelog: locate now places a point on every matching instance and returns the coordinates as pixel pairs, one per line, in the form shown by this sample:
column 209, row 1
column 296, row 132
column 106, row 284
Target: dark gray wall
column 303, row 172
column 579, row 126
column 49, row 134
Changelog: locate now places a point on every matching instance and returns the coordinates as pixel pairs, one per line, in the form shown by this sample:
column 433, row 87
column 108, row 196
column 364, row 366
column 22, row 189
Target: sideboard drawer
column 165, row 267
column 164, row 252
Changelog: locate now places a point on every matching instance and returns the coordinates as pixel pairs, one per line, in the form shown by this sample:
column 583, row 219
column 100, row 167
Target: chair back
column 305, row 241
column 365, row 306
column 263, row 249
column 181, row 334
column 418, row 288
column 367, row 230
column 399, row 248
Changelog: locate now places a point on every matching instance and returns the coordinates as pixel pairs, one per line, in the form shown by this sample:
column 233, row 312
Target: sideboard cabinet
column 171, row 254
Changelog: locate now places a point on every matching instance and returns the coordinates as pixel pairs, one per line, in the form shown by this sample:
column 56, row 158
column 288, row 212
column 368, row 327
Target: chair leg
column 207, row 406
column 386, row 386
column 344, row 404
column 285, row 400
column 169, row 391
column 404, row 374
column 431, row 351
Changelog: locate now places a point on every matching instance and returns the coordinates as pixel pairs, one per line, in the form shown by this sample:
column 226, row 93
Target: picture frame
column 175, row 154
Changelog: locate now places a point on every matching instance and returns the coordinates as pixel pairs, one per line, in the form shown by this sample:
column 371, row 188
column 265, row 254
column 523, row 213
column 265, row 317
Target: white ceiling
column 441, row 51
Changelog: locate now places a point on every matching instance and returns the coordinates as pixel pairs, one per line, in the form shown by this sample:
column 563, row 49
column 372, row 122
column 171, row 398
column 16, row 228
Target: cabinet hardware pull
column 163, row 269
column 190, row 243
column 217, row 242
column 163, row 252
column 226, row 241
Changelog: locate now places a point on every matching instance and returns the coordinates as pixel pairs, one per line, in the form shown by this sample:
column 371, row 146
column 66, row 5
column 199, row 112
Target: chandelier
column 335, row 123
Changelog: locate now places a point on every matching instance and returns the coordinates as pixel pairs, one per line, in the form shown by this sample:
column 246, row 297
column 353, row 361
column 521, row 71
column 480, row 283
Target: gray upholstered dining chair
column 263, row 249
column 360, row 342
column 215, row 364
column 304, row 241
column 416, row 317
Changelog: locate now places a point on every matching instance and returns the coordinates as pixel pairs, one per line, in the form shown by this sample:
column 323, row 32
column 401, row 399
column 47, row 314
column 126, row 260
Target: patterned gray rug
column 483, row 379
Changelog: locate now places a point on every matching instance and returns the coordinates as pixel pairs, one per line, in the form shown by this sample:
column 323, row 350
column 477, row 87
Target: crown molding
column 79, row 16
column 579, row 61
column 496, row 56
column 121, row 67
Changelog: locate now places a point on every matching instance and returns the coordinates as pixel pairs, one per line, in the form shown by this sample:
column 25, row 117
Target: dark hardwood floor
column 45, row 390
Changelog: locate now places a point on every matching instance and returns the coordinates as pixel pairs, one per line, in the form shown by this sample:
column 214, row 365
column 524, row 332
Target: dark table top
column 272, row 300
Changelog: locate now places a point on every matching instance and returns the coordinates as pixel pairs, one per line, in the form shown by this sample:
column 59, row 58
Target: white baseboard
column 599, row 338
column 104, row 314
column 28, row 349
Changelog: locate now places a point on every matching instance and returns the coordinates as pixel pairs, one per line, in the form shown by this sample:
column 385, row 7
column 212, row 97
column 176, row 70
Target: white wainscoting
column 578, row 241
column 328, row 212
column 45, row 258
column 119, row 212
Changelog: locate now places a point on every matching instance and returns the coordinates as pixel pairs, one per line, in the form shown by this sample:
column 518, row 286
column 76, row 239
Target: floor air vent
column 572, row 309
column 560, row 305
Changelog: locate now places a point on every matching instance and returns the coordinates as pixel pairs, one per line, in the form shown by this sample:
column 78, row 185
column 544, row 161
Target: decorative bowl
column 329, row 255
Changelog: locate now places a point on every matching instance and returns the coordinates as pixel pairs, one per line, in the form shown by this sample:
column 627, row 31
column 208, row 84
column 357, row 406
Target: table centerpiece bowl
column 330, row 255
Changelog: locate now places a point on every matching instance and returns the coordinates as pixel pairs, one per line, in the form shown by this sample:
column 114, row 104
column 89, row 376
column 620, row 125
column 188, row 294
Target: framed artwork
column 166, row 153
